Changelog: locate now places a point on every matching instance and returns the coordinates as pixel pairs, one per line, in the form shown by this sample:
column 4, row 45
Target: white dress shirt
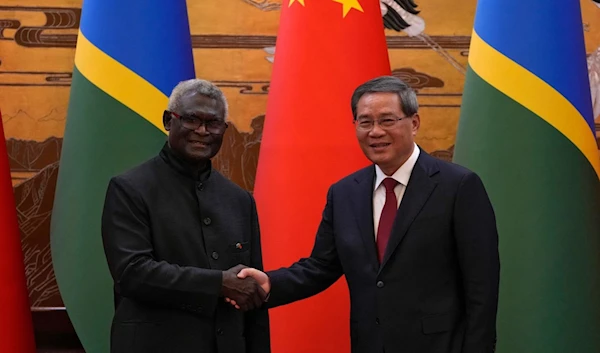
column 402, row 175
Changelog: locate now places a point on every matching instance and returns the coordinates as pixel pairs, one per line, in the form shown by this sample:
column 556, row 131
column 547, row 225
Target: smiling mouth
column 199, row 144
column 379, row 145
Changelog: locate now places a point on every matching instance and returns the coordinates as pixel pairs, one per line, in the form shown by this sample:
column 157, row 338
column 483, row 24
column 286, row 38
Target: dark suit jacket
column 436, row 290
column 168, row 232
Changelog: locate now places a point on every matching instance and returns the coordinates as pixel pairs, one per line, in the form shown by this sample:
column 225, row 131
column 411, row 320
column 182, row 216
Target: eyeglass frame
column 356, row 123
column 203, row 122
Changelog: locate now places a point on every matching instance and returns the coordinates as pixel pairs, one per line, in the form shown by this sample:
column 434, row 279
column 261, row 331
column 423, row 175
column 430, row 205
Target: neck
column 194, row 164
column 196, row 169
column 389, row 171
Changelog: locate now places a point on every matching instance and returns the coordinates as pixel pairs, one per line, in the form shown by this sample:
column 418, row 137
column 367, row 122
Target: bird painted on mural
column 264, row 5
column 401, row 15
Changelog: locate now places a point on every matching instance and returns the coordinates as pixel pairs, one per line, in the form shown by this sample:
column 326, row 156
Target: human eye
column 387, row 122
column 213, row 123
column 365, row 123
column 190, row 118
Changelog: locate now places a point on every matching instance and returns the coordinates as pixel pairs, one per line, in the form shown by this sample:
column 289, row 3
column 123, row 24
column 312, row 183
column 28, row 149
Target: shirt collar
column 402, row 175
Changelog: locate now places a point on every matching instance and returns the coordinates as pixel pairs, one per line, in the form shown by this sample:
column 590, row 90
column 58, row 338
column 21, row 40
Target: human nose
column 201, row 129
column 376, row 130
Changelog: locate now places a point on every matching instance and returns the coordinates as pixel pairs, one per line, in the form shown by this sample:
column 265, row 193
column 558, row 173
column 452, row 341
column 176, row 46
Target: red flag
column 16, row 329
column 325, row 49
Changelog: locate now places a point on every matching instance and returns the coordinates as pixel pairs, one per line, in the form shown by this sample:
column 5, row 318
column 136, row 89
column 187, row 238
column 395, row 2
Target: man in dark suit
column 415, row 237
column 176, row 233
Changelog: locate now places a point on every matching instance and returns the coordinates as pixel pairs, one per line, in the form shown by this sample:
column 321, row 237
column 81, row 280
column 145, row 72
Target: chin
column 378, row 159
column 381, row 163
column 198, row 157
column 386, row 165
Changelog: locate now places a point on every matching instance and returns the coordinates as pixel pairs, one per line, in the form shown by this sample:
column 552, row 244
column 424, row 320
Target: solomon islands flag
column 526, row 128
column 130, row 55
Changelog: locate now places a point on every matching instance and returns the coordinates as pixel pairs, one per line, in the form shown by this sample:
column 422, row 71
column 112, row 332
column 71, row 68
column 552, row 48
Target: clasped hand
column 245, row 288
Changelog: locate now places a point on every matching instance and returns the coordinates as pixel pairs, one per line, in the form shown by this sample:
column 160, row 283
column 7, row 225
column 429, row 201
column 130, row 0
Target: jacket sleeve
column 312, row 275
column 477, row 246
column 256, row 321
column 127, row 239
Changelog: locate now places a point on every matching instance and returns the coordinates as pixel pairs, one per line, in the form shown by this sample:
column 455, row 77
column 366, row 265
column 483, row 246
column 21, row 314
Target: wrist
column 225, row 280
column 267, row 289
column 268, row 286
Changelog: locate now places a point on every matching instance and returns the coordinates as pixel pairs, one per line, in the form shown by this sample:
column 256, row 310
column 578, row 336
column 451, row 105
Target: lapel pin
column 238, row 246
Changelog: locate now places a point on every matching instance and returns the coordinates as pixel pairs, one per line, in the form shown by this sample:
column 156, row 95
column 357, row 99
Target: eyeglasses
column 190, row 122
column 366, row 125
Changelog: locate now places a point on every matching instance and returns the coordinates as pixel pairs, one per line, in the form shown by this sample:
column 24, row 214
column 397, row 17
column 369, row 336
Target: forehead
column 379, row 102
column 198, row 104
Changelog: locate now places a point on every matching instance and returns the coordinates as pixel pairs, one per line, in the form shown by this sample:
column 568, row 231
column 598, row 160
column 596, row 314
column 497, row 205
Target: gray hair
column 198, row 86
column 391, row 84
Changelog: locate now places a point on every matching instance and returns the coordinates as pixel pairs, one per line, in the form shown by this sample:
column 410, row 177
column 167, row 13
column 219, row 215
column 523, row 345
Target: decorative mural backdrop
column 234, row 43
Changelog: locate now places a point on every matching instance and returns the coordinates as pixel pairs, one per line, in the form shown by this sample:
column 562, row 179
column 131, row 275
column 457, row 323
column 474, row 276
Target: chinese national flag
column 324, row 50
column 16, row 330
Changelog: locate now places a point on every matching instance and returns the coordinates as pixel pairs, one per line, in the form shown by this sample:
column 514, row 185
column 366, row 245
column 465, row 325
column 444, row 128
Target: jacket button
column 380, row 284
column 215, row 255
column 200, row 186
column 207, row 221
column 377, row 321
column 220, row 332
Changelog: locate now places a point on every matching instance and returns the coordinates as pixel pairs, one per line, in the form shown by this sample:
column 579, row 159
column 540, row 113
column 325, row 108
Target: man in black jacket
column 176, row 232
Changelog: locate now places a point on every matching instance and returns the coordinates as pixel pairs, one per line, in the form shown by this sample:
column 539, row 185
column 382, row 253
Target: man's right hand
column 260, row 277
column 246, row 292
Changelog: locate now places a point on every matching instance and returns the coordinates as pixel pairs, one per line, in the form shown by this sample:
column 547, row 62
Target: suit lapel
column 363, row 212
column 420, row 187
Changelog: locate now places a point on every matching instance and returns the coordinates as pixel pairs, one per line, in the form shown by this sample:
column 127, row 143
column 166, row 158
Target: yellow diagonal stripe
column 534, row 94
column 120, row 82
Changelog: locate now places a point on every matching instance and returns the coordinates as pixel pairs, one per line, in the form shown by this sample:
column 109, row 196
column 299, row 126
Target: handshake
column 245, row 288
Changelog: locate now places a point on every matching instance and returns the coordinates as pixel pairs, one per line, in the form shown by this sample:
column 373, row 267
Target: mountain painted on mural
column 33, row 124
column 32, row 156
column 34, row 198
column 238, row 157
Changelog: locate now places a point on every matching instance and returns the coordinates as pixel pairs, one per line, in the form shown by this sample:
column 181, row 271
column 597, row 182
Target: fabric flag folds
column 526, row 127
column 324, row 50
column 129, row 56
column 16, row 329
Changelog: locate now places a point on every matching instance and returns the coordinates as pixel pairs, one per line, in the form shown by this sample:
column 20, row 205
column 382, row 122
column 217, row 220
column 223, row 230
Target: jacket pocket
column 428, row 221
column 439, row 323
column 239, row 247
column 240, row 252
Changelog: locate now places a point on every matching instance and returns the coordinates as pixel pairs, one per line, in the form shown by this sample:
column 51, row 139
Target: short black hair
column 392, row 84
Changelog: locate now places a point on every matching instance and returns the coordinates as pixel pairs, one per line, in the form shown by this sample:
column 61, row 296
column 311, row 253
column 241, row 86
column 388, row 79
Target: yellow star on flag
column 349, row 4
column 292, row 1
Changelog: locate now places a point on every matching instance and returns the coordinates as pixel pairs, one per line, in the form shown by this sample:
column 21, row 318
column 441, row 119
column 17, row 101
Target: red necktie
column 387, row 216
